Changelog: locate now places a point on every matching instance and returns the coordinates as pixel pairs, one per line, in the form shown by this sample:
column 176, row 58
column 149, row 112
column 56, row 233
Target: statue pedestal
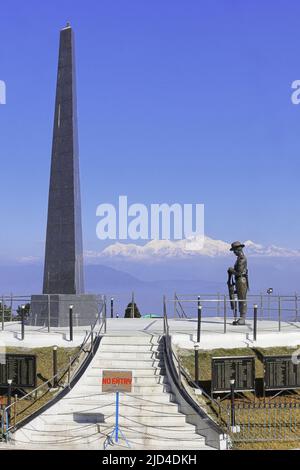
column 56, row 308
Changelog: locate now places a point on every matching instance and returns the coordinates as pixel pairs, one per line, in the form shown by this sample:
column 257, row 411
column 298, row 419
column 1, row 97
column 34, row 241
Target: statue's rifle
column 231, row 290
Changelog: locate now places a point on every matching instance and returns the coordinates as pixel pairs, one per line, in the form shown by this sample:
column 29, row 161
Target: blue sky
column 178, row 101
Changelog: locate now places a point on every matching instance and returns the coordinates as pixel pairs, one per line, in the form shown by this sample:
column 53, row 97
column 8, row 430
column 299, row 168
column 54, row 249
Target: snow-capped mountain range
column 182, row 249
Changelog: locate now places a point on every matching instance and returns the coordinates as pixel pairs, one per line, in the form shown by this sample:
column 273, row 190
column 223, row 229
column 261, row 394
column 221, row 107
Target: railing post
column 232, row 382
column 15, row 409
column 2, row 313
column 11, row 307
column 55, row 381
column 196, row 349
column 69, row 373
column 9, row 382
column 296, row 306
column 255, row 323
column 105, row 315
column 71, row 322
column 49, row 314
column 279, row 313
column 92, row 340
column 2, row 420
column 112, row 307
column 199, row 310
column 235, row 308
column 132, row 305
column 23, row 322
column 225, row 313
column 218, row 305
column 165, row 314
column 261, row 305
column 175, row 305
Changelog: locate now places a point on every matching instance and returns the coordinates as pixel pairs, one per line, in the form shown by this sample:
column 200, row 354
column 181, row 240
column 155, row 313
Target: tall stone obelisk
column 63, row 269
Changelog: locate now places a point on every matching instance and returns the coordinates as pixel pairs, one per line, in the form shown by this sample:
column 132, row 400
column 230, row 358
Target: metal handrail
column 177, row 301
column 64, row 370
column 181, row 370
column 278, row 309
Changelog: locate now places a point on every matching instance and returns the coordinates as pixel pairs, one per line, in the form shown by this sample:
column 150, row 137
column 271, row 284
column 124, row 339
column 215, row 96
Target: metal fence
column 264, row 421
column 277, row 312
column 14, row 308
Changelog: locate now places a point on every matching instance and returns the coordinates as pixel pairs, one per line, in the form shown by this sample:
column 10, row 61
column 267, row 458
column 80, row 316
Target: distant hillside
column 151, row 281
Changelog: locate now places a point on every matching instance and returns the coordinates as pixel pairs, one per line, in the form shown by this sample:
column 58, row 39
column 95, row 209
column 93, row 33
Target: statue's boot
column 241, row 321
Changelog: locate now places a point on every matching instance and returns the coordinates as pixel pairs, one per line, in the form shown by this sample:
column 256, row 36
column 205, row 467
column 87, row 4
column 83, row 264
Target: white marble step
column 169, row 419
column 137, row 348
column 130, row 339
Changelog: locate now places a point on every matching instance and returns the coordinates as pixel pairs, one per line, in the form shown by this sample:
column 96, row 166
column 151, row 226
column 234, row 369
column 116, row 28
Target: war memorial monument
column 63, row 268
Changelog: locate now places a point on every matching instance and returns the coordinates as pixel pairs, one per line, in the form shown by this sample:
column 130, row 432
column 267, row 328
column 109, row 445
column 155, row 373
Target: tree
column 26, row 311
column 7, row 312
column 129, row 310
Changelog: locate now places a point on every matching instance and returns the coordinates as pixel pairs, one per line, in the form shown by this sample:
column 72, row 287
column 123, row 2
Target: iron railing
column 265, row 421
column 14, row 307
column 275, row 311
column 213, row 408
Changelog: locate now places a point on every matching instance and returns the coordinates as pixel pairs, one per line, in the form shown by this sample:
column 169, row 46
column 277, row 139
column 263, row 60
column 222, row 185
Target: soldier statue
column 240, row 286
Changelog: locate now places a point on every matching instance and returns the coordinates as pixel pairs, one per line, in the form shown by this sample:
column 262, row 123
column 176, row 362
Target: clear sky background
column 178, row 100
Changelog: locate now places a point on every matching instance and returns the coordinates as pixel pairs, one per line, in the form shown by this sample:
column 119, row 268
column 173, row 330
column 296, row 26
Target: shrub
column 128, row 311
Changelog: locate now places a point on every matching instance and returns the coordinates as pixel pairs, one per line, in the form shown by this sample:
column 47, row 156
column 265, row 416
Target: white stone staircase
column 85, row 417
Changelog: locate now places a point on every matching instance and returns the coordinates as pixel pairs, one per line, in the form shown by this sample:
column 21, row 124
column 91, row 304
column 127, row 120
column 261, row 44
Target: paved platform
column 183, row 332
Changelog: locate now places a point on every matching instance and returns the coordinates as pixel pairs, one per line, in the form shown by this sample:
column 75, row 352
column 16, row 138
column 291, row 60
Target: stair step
column 97, row 399
column 94, row 414
column 170, row 419
column 123, row 339
column 136, row 380
column 130, row 347
column 156, row 389
column 187, row 431
column 136, row 372
column 126, row 364
column 131, row 355
column 133, row 441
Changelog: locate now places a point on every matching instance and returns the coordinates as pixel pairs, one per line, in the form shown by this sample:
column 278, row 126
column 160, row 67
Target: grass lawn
column 44, row 365
column 262, row 424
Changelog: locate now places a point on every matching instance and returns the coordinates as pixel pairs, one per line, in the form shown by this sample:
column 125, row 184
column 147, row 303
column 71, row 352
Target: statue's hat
column 235, row 245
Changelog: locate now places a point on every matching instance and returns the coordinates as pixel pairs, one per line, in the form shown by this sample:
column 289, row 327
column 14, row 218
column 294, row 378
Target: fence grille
column 265, row 421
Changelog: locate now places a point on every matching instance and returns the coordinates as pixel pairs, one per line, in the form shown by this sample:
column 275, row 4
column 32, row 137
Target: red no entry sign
column 116, row 381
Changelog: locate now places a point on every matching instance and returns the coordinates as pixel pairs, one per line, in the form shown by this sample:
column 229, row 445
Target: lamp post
column 269, row 292
column 196, row 349
column 9, row 382
column 55, row 382
column 23, row 322
column 71, row 322
column 199, row 309
column 232, row 382
column 112, row 307
column 255, row 322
